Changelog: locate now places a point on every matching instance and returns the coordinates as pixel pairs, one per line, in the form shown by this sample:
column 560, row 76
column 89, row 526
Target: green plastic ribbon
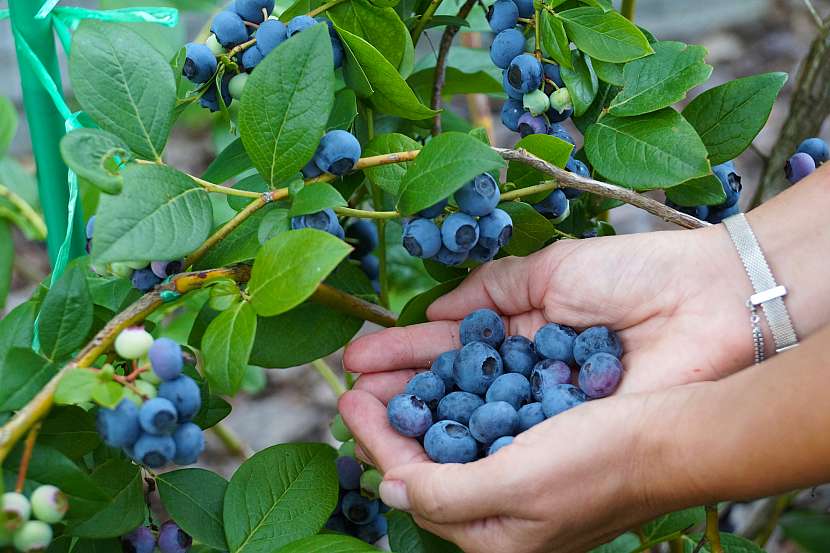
column 5, row 13
column 46, row 9
column 72, row 16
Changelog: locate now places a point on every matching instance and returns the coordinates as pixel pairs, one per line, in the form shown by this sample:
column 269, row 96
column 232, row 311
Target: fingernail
column 393, row 493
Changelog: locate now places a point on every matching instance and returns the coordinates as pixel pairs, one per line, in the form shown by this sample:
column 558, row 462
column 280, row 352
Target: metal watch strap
column 768, row 293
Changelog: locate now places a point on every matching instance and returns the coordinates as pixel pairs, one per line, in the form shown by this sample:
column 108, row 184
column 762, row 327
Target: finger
column 366, row 418
column 409, row 347
column 385, row 385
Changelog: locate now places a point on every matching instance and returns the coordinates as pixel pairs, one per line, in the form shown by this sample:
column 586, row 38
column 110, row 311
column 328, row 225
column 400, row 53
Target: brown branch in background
column 346, row 303
column 441, row 64
column 28, row 447
column 479, row 104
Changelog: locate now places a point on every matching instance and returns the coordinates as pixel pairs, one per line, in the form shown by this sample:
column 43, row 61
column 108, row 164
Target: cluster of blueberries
column 159, row 430
column 359, row 512
column 171, row 539
column 730, row 180
column 48, row 505
column 474, row 400
column 476, row 231
column 233, row 27
column 810, row 154
column 143, row 275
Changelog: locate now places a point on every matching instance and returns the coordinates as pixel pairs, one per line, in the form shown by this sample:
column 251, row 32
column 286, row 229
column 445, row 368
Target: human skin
column 677, row 300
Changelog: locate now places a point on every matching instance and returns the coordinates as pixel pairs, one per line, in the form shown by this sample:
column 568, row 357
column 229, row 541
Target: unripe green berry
column 136, row 264
column 16, row 510
column 370, row 483
column 33, row 537
column 347, row 449
column 237, row 85
column 564, row 215
column 49, row 504
column 214, row 45
column 121, row 270
column 560, row 100
column 133, row 342
column 536, row 102
column 339, row 429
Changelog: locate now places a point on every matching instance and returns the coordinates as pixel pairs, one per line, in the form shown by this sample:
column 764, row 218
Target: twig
column 371, row 161
column 328, row 375
column 645, row 545
column 761, row 155
column 780, row 505
column 700, row 544
column 352, row 305
column 629, row 9
column 712, row 529
column 209, row 186
column 364, row 214
column 676, row 545
column 327, row 6
column 26, row 211
column 813, row 13
column 424, row 19
column 479, row 104
column 233, row 443
column 28, row 447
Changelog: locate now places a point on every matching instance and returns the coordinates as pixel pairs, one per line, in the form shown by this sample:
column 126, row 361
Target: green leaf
column 290, row 266
column 240, row 245
column 108, row 394
column 581, row 82
column 281, row 494
column 658, row 81
column 729, row 116
column 70, row 430
column 16, row 329
column 706, row 190
column 657, row 150
column 66, row 316
column 122, row 509
column 554, row 41
column 389, row 177
column 606, row 36
column 160, row 214
column 251, row 183
column 47, row 465
column 273, row 223
column 111, row 292
column 611, row 73
column 22, row 376
column 286, row 104
column 230, row 162
column 730, row 543
column 95, row 155
column 6, row 261
column 213, row 410
column 625, row 543
column 194, row 498
column 226, row 346
column 666, row 525
column 811, row 531
column 406, row 537
column 543, row 146
column 414, row 311
column 124, row 84
column 254, row 380
column 328, row 543
column 391, row 93
column 605, row 94
column 380, row 27
column 314, row 198
column 445, row 164
column 354, row 76
column 344, row 110
column 531, row 230
column 8, row 124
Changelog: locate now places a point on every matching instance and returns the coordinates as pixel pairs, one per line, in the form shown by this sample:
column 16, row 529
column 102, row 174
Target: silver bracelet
column 768, row 293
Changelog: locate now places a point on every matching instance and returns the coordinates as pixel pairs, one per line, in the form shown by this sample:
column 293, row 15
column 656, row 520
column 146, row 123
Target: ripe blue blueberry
column 495, row 229
column 338, row 523
column 119, row 427
column 555, row 341
column 154, row 451
column 596, row 339
column 164, row 269
column 553, row 77
column 199, row 64
column 562, row 133
column 442, row 366
column 503, row 14
column 428, row 386
column 348, row 473
column 816, row 148
column 448, row 441
column 251, row 10
column 507, row 45
column 554, row 206
column 482, row 325
column 229, row 29
column 561, row 398
column 409, row 415
column 459, row 233
column 557, row 116
column 478, row 197
column 140, row 540
column 525, row 73
column 190, row 443
column 525, row 8
column 450, row 258
column 530, row 415
column 359, row 509
column 511, row 112
column 373, row 530
column 183, row 393
column 33, row 537
column 576, row 167
column 166, row 358
column 299, row 24
column 251, row 58
column 547, row 374
column 270, row 34
column 371, row 266
column 518, row 355
column 325, row 220
column 210, row 100
column 799, row 166
column 338, row 151
column 512, row 93
column 49, row 504
column 158, row 416
column 493, row 420
column 421, row 238
column 145, row 279
column 498, row 444
column 530, row 124
column 730, row 180
column 600, row 375
column 482, row 254
column 459, row 407
column 718, row 214
column 364, row 235
column 699, row 211
column 434, row 210
column 510, row 387
column 173, row 539
column 476, row 367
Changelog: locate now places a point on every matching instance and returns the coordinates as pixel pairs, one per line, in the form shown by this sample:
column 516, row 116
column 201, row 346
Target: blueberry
column 373, row 530
column 339, row 430
column 525, row 73
column 90, row 227
column 190, row 443
column 371, row 266
column 507, row 45
column 562, row 133
column 535, row 102
column 164, row 269
column 482, row 325
column 448, row 441
column 325, row 220
column 503, row 14
column 510, row 387
column 199, row 64
column 478, row 197
column 270, row 34
column 495, row 229
column 347, row 449
column 554, row 206
column 555, row 341
column 557, row 117
column 250, row 59
column 434, row 210
column 450, row 258
column 173, row 539
column 530, row 415
column 546, row 374
column 498, row 444
column 338, row 151
column 578, row 168
column 140, row 540
column 816, row 148
column 359, row 509
column 409, row 415
column 133, row 342
column 459, row 233
column 33, row 537
column 16, row 510
column 553, row 77
column 730, row 180
column 799, row 166
column 482, row 254
column 348, row 473
column 525, row 8
column 699, row 211
column 166, row 358
column 338, row 53
column 364, row 235
column 49, row 504
column 209, row 99
column 229, row 29
column 145, row 279
column 492, row 421
column 458, row 406
column 158, row 416
column 338, row 523
column 421, row 238
column 251, row 10
column 299, row 24
column 214, row 45
column 428, row 386
column 476, row 367
column 600, row 375
column 511, row 111
column 442, row 366
column 529, row 124
column 596, row 339
column 512, row 93
column 518, row 355
column 154, row 451
column 370, row 483
column 560, row 398
column 183, row 393
column 310, row 170
column 718, row 214
column 560, row 101
column 119, row 427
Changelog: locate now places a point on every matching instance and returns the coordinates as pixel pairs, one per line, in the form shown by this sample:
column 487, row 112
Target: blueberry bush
column 352, row 190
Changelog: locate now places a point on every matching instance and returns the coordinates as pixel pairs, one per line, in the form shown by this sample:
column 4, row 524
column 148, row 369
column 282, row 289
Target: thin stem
column 813, row 13
column 352, row 305
column 211, row 187
column 328, row 375
column 424, row 20
column 232, row 442
column 761, row 155
column 712, row 530
column 364, row 214
column 240, row 48
column 327, row 6
column 26, row 211
column 28, row 447
column 518, row 193
column 646, row 545
column 629, row 9
column 676, row 545
column 371, row 161
column 564, row 234
column 781, row 504
column 537, row 34
column 227, row 228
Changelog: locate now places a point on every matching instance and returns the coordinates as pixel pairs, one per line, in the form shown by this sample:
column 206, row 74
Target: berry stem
column 327, row 6
column 780, row 505
column 537, row 34
column 26, row 211
column 211, row 187
column 352, row 305
column 712, row 530
column 328, row 375
column 232, row 442
column 240, row 48
column 365, row 214
column 424, row 20
column 629, row 9
column 28, row 447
